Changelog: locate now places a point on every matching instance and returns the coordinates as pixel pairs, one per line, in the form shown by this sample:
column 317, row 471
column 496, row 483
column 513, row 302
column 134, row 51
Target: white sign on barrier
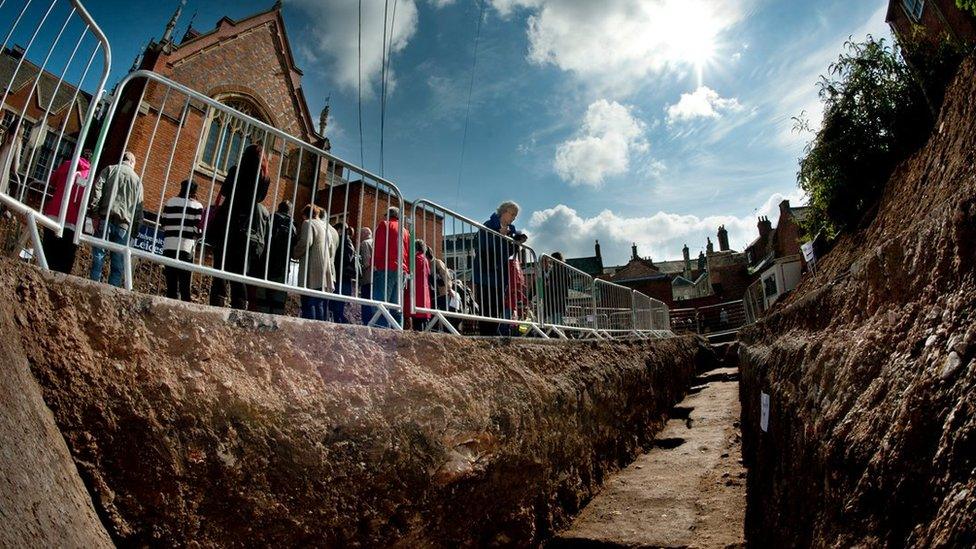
column 764, row 412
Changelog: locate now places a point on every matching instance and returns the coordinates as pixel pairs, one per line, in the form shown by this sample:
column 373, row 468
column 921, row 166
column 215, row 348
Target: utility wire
column 467, row 108
column 386, row 9
column 388, row 53
column 362, row 146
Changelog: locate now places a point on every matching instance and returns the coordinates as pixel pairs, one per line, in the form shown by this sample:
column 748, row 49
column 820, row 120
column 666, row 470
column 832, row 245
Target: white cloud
column 702, row 103
column 659, row 236
column 336, row 26
column 607, row 137
column 616, row 44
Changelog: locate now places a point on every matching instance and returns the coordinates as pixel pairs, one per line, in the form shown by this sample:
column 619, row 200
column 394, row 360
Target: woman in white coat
column 10, row 155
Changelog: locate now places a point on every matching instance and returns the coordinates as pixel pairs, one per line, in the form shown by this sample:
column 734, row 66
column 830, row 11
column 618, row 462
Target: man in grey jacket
column 117, row 204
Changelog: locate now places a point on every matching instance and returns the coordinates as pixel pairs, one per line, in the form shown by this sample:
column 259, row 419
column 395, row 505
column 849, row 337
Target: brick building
column 53, row 112
column 247, row 65
column 930, row 20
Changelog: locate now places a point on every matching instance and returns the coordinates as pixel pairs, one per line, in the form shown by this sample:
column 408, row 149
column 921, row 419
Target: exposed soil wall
column 43, row 502
column 870, row 372
column 198, row 425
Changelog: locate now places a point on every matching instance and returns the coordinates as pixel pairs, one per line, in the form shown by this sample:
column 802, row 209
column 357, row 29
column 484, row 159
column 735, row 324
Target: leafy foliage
column 967, row 5
column 875, row 114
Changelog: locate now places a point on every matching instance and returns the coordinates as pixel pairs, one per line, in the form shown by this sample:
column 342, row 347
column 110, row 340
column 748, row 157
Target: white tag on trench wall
column 764, row 411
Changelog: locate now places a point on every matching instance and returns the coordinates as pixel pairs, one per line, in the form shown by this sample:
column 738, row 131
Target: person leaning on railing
column 390, row 255
column 281, row 237
column 366, row 278
column 419, row 287
column 491, row 264
column 346, row 263
column 181, row 229
column 315, row 250
column 117, row 201
column 516, row 292
column 229, row 231
column 60, row 252
column 10, row 156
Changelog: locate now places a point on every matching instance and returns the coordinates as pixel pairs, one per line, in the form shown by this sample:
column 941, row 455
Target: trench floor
column 688, row 491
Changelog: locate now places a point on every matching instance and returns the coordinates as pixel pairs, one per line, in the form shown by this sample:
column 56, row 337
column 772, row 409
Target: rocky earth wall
column 43, row 502
column 869, row 368
column 194, row 425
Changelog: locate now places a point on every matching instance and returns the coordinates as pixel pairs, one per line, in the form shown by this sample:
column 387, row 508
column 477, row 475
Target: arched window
column 227, row 134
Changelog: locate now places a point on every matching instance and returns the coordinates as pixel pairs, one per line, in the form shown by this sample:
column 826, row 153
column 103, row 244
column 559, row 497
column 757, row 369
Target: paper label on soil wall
column 764, row 412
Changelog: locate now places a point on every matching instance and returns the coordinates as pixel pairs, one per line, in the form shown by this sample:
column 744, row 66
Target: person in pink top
column 419, row 287
column 60, row 252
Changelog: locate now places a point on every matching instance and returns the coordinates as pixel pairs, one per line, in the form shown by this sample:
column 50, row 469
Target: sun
column 692, row 33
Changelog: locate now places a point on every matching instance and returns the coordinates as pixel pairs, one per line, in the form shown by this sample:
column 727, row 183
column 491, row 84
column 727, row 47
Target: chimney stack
column 686, row 254
column 765, row 227
column 596, row 248
column 633, row 252
column 723, row 239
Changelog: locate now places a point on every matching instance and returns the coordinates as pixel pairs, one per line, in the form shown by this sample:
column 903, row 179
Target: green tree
column 875, row 115
column 967, row 5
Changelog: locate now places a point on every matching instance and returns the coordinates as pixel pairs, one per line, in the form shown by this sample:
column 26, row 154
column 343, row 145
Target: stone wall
column 201, row 425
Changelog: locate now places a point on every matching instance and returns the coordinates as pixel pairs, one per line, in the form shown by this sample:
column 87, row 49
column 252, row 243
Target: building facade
column 930, row 21
column 53, row 112
column 245, row 64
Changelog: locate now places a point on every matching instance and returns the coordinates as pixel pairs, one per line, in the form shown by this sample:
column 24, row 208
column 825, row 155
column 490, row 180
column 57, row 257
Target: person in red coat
column 419, row 288
column 60, row 252
column 389, row 259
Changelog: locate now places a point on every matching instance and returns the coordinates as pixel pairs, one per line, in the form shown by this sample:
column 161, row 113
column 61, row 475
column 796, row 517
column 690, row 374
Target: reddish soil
column 43, row 501
column 201, row 426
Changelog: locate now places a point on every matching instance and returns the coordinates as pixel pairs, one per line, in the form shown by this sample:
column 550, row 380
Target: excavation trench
column 194, row 425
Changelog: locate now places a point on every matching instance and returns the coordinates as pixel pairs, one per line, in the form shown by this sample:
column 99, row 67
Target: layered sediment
column 869, row 369
column 195, row 425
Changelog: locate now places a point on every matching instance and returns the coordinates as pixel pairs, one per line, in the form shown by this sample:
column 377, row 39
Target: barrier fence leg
column 540, row 333
column 128, row 269
column 36, row 239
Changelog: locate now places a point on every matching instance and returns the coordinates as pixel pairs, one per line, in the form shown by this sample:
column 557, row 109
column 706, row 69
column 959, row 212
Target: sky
column 647, row 121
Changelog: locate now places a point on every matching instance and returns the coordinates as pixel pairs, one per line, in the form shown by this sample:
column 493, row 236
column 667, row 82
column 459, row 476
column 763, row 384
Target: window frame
column 238, row 102
column 914, row 9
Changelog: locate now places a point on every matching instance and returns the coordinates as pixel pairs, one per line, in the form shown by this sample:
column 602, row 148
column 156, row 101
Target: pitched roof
column 47, row 86
column 228, row 28
column 590, row 265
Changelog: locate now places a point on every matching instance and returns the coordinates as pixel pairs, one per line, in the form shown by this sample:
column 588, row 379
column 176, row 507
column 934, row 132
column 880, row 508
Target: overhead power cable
column 467, row 108
column 387, row 52
column 362, row 146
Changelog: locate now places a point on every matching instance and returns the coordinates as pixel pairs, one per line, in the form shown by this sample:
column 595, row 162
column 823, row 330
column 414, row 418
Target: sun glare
column 692, row 33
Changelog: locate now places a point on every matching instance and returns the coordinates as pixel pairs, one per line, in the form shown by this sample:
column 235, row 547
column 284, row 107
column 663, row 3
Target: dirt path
column 689, row 491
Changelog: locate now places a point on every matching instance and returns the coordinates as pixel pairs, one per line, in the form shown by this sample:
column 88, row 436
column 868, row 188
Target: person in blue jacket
column 493, row 248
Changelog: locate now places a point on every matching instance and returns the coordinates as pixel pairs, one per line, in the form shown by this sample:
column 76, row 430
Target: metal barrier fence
column 566, row 298
column 650, row 315
column 711, row 320
column 474, row 273
column 46, row 115
column 212, row 187
column 613, row 308
column 187, row 140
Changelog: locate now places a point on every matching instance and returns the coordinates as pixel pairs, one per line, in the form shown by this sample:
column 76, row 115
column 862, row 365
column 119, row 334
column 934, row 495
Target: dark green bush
column 967, row 5
column 875, row 114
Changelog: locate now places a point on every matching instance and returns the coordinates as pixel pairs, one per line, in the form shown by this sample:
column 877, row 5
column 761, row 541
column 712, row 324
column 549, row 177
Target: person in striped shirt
column 181, row 226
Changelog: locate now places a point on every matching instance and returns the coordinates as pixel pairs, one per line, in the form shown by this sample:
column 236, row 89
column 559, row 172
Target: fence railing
column 221, row 185
column 46, row 114
column 241, row 229
column 712, row 320
column 473, row 273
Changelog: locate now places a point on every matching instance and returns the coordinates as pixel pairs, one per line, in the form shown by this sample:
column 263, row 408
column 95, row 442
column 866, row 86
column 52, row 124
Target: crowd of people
column 244, row 239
